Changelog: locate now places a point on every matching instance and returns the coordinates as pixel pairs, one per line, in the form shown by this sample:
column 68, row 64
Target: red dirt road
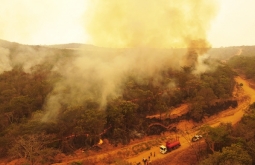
column 245, row 96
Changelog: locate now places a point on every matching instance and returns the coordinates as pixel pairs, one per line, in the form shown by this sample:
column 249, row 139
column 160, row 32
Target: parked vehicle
column 196, row 138
column 169, row 146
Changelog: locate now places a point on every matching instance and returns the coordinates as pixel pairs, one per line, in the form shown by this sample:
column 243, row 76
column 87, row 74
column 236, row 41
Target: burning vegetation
column 148, row 61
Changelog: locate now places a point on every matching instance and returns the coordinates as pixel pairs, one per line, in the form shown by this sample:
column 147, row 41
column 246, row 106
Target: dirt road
column 245, row 95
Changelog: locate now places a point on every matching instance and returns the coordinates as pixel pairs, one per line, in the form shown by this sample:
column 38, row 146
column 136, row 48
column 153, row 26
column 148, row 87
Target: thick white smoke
column 149, row 28
column 136, row 24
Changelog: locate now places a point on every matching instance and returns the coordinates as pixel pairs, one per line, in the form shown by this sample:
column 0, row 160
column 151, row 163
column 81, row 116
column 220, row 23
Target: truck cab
column 163, row 149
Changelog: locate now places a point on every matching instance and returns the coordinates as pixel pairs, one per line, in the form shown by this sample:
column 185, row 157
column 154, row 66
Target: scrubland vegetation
column 26, row 132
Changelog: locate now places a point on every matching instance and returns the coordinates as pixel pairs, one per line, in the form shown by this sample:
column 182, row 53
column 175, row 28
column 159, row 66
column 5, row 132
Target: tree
column 192, row 86
column 91, row 123
column 196, row 108
column 21, row 107
column 217, row 137
column 244, row 131
column 207, row 94
column 121, row 116
column 80, row 127
column 161, row 106
column 201, row 101
column 233, row 155
column 33, row 148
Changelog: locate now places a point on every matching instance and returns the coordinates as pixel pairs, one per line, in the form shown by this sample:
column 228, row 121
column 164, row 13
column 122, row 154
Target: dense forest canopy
column 60, row 100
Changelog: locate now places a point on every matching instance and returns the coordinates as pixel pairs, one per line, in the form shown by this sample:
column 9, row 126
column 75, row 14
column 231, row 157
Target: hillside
column 186, row 129
column 75, row 46
column 58, row 100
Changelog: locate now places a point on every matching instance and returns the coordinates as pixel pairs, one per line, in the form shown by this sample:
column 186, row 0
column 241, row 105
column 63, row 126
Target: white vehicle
column 163, row 149
column 196, row 138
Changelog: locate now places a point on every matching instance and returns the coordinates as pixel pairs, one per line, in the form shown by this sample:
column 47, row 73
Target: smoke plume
column 4, row 60
column 154, row 24
column 148, row 28
column 100, row 75
column 148, row 23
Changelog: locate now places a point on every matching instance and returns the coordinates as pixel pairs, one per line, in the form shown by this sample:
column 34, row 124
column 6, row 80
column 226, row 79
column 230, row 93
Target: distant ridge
column 222, row 53
column 72, row 46
column 7, row 44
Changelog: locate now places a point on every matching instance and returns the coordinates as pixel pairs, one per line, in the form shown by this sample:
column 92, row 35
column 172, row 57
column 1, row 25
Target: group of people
column 147, row 161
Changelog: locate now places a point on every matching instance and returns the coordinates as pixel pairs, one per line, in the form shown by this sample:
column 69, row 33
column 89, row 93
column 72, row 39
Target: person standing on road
column 144, row 161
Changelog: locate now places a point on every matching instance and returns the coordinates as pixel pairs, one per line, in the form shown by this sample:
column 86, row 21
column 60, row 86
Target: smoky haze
column 141, row 25
column 147, row 29
column 148, row 23
column 101, row 75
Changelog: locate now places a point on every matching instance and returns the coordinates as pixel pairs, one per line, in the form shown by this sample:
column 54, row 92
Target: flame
column 100, row 142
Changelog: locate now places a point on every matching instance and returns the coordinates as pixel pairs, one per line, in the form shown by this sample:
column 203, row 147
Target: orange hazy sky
column 62, row 21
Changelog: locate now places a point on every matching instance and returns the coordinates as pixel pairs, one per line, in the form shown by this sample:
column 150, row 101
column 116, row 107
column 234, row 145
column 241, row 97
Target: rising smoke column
column 142, row 26
column 150, row 23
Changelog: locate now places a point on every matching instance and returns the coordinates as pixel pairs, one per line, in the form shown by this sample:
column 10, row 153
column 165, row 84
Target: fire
column 100, row 142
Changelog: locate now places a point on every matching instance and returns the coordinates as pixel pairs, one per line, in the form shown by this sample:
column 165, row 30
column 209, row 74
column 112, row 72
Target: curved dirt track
column 244, row 95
